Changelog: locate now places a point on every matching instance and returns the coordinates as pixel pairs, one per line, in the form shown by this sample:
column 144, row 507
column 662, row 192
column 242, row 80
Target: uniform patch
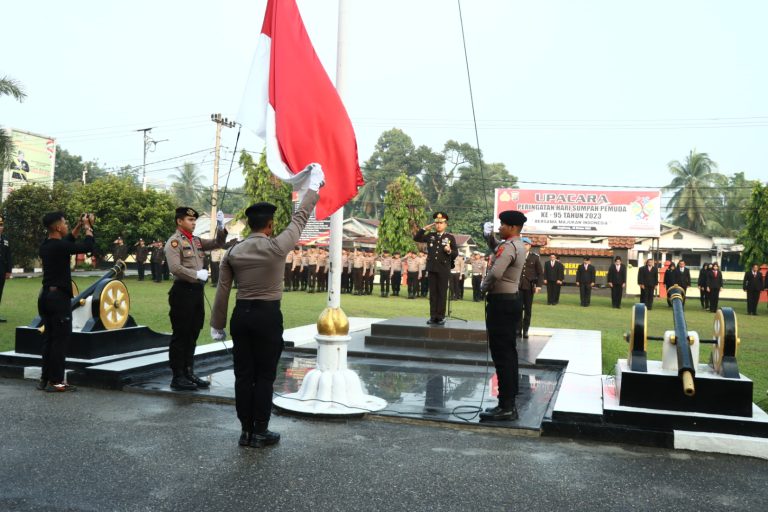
column 198, row 243
column 174, row 243
column 500, row 251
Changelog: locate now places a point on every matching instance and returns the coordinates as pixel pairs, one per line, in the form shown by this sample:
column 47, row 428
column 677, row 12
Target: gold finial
column 333, row 322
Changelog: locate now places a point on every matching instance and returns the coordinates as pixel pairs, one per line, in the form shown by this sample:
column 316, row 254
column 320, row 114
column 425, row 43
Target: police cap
column 512, row 218
column 262, row 209
column 440, row 216
column 186, row 211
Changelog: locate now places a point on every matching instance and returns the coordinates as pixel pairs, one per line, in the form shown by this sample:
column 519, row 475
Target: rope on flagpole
column 474, row 117
column 234, row 153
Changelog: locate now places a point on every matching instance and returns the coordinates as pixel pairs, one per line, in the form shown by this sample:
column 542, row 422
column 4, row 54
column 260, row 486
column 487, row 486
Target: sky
column 591, row 93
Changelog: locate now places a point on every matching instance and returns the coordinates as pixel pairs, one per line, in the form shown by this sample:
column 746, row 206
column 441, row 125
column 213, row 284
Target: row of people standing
column 306, row 270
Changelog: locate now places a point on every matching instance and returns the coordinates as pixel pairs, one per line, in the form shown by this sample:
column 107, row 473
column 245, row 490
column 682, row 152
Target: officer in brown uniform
column 345, row 271
column 184, row 253
column 322, row 270
column 397, row 273
column 370, row 271
column 529, row 285
column 312, row 264
column 288, row 272
column 423, row 279
column 358, row 267
column 384, row 273
column 503, row 309
column 257, row 322
column 478, row 270
column 296, row 268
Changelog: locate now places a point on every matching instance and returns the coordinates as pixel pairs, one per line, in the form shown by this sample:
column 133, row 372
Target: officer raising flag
column 184, row 253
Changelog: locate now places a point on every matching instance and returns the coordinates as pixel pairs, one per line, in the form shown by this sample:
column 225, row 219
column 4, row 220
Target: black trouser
column 357, row 278
column 2, row 284
column 304, row 277
column 140, row 268
column 55, row 310
column 322, row 279
column 257, row 342
column 616, row 293
column 502, row 319
column 215, row 272
column 166, row 271
column 476, row 294
column 454, row 285
column 412, row 279
column 526, row 297
column 424, row 284
column 288, row 276
column 753, row 297
column 553, row 292
column 704, row 297
column 585, row 293
column 438, row 292
column 461, row 286
column 646, row 296
column 397, row 278
column 345, row 281
column 187, row 315
column 312, row 283
column 714, row 298
column 384, row 281
column 157, row 271
column 296, row 277
column 369, row 282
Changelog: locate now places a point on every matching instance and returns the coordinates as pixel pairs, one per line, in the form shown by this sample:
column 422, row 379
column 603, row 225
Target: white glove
column 202, row 275
column 487, row 228
column 316, row 178
column 220, row 219
column 218, row 334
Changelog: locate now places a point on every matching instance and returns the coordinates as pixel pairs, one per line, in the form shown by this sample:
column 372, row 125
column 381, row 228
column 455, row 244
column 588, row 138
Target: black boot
column 499, row 414
column 263, row 437
column 245, row 438
column 181, row 383
column 190, row 375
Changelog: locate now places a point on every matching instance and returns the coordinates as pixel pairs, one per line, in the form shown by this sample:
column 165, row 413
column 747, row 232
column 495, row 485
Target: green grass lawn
column 149, row 306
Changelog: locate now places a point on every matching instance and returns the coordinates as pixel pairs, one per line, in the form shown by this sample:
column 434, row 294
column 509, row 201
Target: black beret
column 512, row 218
column 261, row 209
column 440, row 215
column 186, row 211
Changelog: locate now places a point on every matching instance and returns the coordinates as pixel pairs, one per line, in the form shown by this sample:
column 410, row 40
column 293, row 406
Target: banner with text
column 34, row 159
column 634, row 213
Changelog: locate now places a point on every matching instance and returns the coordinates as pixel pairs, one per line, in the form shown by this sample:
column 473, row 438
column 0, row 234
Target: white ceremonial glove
column 202, row 275
column 487, row 228
column 316, row 178
column 220, row 219
column 218, row 334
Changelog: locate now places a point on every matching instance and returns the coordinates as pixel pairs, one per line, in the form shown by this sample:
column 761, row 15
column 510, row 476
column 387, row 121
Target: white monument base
column 331, row 388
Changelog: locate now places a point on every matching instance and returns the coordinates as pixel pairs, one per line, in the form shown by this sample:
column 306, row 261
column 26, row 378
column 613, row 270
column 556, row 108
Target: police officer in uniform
column 384, row 273
column 6, row 263
column 441, row 251
column 184, row 253
column 504, row 309
column 529, row 285
column 140, row 251
column 257, row 322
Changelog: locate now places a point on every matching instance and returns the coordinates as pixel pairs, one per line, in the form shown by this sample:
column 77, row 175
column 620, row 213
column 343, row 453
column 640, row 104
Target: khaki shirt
column 258, row 263
column 423, row 264
column 458, row 265
column 185, row 258
column 344, row 263
column 478, row 266
column 358, row 261
column 322, row 260
column 289, row 258
column 412, row 264
column 397, row 264
column 386, row 263
column 506, row 266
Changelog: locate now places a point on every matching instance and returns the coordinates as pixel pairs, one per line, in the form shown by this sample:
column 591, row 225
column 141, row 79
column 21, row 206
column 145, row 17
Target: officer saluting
column 504, row 308
column 257, row 322
column 441, row 251
column 184, row 253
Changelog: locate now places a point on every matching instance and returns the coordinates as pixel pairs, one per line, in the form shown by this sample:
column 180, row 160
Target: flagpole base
column 331, row 388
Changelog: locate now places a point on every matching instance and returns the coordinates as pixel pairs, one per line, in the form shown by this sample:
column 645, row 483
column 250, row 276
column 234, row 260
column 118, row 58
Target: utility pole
column 85, row 171
column 216, row 118
column 144, row 165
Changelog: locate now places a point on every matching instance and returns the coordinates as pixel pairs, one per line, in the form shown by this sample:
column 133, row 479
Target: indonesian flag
column 291, row 103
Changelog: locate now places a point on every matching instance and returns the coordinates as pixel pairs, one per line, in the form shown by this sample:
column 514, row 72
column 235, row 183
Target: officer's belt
column 257, row 302
column 503, row 296
column 187, row 285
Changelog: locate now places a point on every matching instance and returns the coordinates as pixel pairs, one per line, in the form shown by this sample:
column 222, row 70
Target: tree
column 24, row 209
column 8, row 87
column 403, row 215
column 689, row 205
column 754, row 236
column 262, row 185
column 122, row 208
column 187, row 186
column 69, row 168
column 731, row 197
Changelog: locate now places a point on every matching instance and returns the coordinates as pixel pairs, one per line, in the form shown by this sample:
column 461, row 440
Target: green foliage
column 123, row 209
column 69, row 168
column 754, row 236
column 262, row 185
column 24, row 210
column 403, row 215
column 690, row 205
column 730, row 201
column 187, row 185
column 8, row 87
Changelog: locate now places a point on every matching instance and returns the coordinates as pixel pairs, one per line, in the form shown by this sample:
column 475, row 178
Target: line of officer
column 441, row 252
column 503, row 309
column 184, row 253
column 6, row 262
column 257, row 322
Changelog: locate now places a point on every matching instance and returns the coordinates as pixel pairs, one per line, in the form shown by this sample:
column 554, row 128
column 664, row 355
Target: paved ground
column 101, row 450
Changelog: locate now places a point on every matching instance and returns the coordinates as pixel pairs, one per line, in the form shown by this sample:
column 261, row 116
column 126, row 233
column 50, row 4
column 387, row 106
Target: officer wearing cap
column 503, row 309
column 6, row 264
column 529, row 285
column 257, row 322
column 441, row 252
column 184, row 254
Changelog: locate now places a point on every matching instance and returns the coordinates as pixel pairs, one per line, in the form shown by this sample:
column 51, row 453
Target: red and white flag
column 292, row 104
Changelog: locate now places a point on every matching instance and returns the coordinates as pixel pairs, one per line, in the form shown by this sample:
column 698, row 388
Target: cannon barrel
column 685, row 368
column 116, row 271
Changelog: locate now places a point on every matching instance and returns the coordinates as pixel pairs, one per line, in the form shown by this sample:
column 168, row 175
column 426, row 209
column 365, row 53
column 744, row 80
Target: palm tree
column 8, row 87
column 693, row 186
column 187, row 185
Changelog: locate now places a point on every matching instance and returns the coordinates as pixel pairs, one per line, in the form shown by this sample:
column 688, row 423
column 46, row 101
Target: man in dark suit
column 648, row 279
column 441, row 251
column 617, row 281
column 585, row 280
column 529, row 284
column 554, row 275
column 714, row 284
column 682, row 277
column 669, row 280
column 753, row 284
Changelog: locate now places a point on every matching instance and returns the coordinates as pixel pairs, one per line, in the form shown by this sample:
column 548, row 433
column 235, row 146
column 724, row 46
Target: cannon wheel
column 727, row 336
column 638, row 339
column 111, row 304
